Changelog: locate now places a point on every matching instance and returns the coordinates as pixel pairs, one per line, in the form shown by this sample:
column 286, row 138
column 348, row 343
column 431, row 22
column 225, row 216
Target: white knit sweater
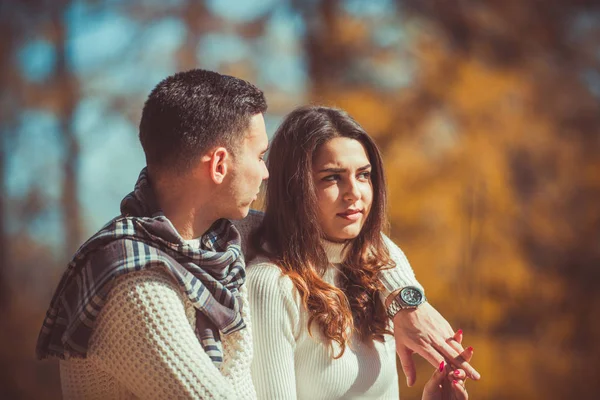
column 289, row 363
column 144, row 346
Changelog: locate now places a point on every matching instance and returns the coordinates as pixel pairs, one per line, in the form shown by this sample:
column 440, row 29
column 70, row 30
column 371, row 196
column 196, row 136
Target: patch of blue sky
column 370, row 8
column 37, row 60
column 88, row 118
column 390, row 35
column 110, row 165
column 35, row 155
column 48, row 228
column 159, row 45
column 591, row 78
column 164, row 36
column 272, row 122
column 287, row 72
column 286, row 25
column 216, row 49
column 155, row 50
column 97, row 37
column 157, row 5
column 130, row 77
column 240, row 10
column 281, row 59
column 583, row 22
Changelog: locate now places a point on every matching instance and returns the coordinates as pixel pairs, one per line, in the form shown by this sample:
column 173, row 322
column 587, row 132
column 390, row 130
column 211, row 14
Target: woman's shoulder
column 272, row 293
column 395, row 252
column 265, row 276
column 265, row 268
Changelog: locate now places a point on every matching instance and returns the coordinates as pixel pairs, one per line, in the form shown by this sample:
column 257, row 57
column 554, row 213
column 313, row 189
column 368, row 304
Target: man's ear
column 218, row 164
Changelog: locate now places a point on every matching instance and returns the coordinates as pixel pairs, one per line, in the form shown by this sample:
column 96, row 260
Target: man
column 153, row 305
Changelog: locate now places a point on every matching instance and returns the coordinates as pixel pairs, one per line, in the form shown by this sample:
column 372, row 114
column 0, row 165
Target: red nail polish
column 460, row 331
column 456, row 372
column 470, row 348
column 455, row 382
column 441, row 366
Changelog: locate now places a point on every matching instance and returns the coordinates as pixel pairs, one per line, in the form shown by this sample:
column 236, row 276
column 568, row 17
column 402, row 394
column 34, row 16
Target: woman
column 320, row 329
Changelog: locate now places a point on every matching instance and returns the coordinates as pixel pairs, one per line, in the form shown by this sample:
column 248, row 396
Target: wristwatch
column 409, row 298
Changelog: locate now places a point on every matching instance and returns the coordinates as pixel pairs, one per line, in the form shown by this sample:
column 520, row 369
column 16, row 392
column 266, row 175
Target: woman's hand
column 446, row 384
column 425, row 331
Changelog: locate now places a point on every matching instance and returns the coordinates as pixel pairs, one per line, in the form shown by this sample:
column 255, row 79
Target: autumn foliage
column 488, row 115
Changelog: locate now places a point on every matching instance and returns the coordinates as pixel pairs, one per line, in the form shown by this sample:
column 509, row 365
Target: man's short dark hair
column 190, row 112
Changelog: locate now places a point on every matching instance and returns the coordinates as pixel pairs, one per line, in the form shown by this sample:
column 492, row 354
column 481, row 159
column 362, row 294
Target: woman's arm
column 275, row 322
column 400, row 275
column 423, row 331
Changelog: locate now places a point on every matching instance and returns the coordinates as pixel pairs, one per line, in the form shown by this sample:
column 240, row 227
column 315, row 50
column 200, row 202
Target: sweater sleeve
column 399, row 276
column 275, row 321
column 144, row 339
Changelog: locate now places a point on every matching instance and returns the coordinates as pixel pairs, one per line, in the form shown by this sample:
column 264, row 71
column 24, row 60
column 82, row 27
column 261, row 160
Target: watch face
column 411, row 296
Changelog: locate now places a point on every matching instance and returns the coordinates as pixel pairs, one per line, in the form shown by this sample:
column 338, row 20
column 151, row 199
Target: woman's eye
column 365, row 175
column 331, row 178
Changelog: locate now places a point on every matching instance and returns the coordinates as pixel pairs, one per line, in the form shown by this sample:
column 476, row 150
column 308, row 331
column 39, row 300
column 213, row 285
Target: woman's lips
column 351, row 215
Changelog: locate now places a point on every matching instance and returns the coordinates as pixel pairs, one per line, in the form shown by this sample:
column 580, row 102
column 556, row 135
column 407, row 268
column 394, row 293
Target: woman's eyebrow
column 334, row 170
column 340, row 170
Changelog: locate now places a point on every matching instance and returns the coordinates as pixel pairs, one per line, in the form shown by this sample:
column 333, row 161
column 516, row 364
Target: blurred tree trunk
column 3, row 241
column 197, row 20
column 6, row 48
column 326, row 56
column 67, row 88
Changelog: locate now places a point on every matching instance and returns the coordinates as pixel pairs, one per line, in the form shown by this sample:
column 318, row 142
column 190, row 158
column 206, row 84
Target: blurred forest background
column 488, row 114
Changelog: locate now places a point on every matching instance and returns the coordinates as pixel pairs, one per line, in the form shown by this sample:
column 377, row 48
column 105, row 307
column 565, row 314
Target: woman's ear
column 218, row 164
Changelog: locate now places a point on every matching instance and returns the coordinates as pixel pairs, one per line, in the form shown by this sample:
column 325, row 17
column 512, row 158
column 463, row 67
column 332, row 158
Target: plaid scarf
column 142, row 237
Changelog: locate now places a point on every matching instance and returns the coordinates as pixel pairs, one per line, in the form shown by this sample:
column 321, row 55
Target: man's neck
column 191, row 214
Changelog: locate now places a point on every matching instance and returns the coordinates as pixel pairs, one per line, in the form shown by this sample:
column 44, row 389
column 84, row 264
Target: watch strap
column 398, row 304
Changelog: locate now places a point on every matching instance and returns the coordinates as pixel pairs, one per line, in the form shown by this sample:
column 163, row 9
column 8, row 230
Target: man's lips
column 350, row 215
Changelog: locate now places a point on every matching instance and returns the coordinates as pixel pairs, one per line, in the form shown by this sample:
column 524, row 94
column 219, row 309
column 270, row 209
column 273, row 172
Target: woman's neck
column 336, row 251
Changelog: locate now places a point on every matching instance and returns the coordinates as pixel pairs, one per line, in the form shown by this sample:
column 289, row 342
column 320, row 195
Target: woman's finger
column 452, row 342
column 457, row 359
column 467, row 355
column 408, row 365
column 457, row 374
column 458, row 391
column 458, row 336
column 434, row 384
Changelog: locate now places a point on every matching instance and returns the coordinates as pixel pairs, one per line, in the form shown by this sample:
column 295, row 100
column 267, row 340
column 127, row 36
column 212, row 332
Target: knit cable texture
column 144, row 346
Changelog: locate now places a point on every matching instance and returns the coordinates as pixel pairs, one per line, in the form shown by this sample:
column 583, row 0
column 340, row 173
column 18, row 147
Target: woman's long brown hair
column 293, row 233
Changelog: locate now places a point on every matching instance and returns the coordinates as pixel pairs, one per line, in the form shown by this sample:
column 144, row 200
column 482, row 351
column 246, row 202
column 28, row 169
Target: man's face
column 248, row 169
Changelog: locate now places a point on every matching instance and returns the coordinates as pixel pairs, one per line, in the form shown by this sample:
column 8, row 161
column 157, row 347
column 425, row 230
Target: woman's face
column 342, row 178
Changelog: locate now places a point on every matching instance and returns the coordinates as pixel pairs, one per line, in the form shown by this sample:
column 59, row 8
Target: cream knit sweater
column 144, row 346
column 289, row 363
